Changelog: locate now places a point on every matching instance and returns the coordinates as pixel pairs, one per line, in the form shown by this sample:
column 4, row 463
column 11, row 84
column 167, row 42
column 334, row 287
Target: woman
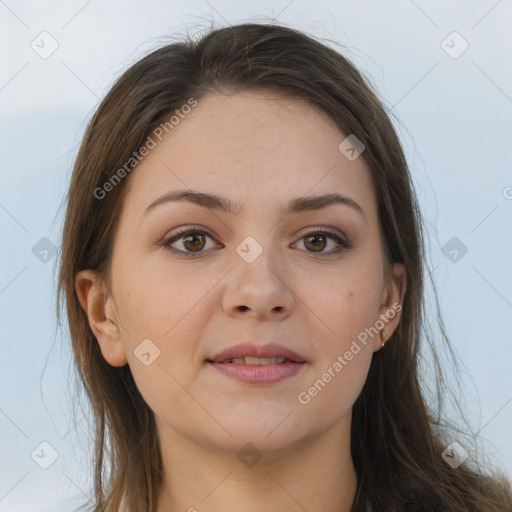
column 242, row 265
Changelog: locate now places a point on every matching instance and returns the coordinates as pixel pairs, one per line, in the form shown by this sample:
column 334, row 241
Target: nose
column 258, row 289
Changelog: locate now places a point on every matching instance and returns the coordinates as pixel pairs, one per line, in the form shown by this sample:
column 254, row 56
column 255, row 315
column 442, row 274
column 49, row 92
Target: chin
column 268, row 431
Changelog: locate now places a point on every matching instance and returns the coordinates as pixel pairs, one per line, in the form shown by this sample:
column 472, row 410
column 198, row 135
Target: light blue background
column 454, row 120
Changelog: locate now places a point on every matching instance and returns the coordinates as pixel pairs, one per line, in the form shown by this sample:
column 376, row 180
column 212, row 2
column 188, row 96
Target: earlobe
column 392, row 303
column 100, row 310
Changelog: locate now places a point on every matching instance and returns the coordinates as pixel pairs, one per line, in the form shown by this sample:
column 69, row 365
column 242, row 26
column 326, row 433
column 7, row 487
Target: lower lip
column 258, row 374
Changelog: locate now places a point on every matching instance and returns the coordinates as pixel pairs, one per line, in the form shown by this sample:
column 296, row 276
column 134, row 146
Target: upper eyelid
column 184, row 230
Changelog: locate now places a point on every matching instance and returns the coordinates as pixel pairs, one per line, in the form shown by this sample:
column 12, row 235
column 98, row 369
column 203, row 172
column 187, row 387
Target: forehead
column 251, row 147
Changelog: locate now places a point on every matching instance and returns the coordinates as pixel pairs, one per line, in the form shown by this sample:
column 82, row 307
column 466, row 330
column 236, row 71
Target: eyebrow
column 215, row 202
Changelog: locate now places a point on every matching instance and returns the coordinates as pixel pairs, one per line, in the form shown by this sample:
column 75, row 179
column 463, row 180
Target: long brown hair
column 397, row 440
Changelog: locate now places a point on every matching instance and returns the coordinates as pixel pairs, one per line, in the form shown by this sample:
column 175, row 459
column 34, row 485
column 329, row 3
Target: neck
column 317, row 474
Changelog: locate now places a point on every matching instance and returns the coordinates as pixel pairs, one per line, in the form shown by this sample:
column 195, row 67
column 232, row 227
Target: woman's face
column 254, row 275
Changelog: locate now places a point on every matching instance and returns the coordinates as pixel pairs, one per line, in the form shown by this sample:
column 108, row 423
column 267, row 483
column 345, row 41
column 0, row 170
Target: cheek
column 344, row 354
column 171, row 310
column 347, row 305
column 348, row 308
column 159, row 299
column 332, row 394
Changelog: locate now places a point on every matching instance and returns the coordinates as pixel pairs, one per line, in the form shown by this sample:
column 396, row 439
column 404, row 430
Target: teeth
column 256, row 360
column 267, row 360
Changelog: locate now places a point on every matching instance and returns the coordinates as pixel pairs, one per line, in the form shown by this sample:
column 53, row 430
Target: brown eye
column 188, row 242
column 194, row 242
column 316, row 242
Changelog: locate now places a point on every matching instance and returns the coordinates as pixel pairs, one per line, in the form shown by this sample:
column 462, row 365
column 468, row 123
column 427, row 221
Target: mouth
column 258, row 355
column 251, row 373
column 256, row 361
column 253, row 364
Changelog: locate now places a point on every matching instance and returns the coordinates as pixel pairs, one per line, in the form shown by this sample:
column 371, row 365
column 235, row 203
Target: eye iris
column 317, row 248
column 194, row 246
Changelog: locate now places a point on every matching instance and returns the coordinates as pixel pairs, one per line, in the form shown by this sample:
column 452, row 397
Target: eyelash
column 182, row 232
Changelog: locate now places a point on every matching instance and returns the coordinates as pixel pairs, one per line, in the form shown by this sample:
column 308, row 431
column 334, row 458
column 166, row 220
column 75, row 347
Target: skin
column 261, row 150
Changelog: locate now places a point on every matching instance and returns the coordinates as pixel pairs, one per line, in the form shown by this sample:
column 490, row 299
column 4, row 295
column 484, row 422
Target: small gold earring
column 383, row 337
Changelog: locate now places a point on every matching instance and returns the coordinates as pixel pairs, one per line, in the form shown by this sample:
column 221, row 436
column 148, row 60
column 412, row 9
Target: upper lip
column 252, row 350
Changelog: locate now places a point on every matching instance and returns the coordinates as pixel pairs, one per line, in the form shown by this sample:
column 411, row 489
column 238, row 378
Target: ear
column 100, row 309
column 391, row 304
